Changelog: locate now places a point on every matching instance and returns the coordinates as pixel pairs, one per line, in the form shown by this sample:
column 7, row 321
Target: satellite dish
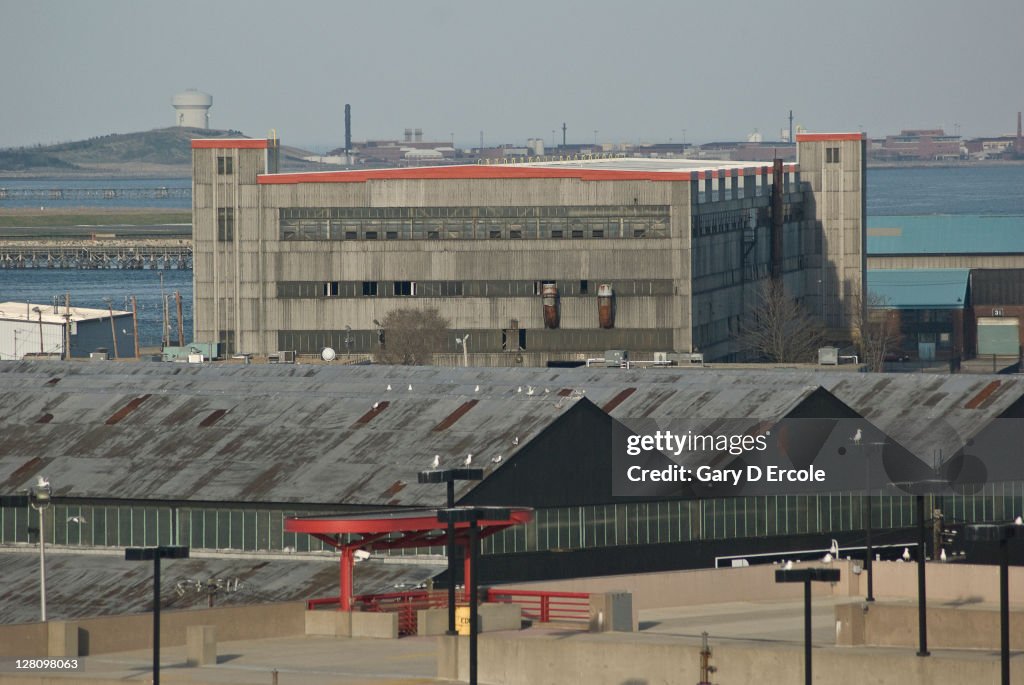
column 328, row 354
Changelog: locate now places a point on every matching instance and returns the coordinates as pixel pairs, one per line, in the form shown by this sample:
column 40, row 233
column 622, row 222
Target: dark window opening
column 331, row 288
column 351, row 235
column 495, row 234
column 556, row 233
column 513, row 339
column 584, row 287
column 392, row 235
column 831, row 155
column 370, row 288
column 225, row 166
column 576, row 233
column 639, row 233
column 226, row 224
column 515, row 234
column 371, row 235
column 404, row 288
column 597, row 233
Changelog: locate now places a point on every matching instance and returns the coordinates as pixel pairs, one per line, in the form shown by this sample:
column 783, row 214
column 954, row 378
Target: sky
column 638, row 71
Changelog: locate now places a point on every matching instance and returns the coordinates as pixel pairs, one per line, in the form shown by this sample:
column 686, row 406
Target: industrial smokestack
column 778, row 214
column 348, row 128
column 408, row 135
column 418, row 133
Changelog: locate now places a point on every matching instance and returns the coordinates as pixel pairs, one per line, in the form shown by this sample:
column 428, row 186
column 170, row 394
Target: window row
column 350, row 289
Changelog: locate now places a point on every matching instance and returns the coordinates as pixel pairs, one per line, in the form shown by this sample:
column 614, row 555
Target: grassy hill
column 164, row 150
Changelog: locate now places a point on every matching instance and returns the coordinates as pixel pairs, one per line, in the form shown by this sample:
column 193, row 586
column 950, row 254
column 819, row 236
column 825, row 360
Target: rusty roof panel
column 449, row 420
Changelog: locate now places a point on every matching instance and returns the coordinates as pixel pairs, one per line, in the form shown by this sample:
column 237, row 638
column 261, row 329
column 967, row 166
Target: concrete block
column 201, row 645
column 62, row 638
column 612, row 611
column 850, row 624
column 375, row 624
column 500, row 616
column 448, row 657
column 432, row 621
column 329, row 623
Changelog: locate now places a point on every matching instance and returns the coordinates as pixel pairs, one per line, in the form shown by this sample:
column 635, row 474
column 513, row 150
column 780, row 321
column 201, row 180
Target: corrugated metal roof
column 918, row 288
column 23, row 311
column 945, row 234
column 293, row 433
column 103, row 584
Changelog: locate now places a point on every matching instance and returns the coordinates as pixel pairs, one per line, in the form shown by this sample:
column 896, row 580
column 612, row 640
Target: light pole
column 464, row 340
column 449, row 476
column 39, row 311
column 806, row 576
column 39, row 498
column 156, row 554
column 1002, row 534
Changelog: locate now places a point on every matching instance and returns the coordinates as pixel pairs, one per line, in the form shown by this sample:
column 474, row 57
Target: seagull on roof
column 496, row 460
column 529, row 390
column 1018, row 521
column 834, row 549
column 906, row 554
column 942, row 555
column 376, row 405
column 436, row 462
column 476, row 389
column 42, row 482
column 857, row 437
column 515, row 441
column 788, row 566
column 827, row 558
column 410, row 387
column 389, row 387
column 469, row 459
column 519, row 389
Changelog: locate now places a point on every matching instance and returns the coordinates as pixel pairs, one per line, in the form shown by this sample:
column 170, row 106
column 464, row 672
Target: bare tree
column 779, row 329
column 877, row 330
column 411, row 336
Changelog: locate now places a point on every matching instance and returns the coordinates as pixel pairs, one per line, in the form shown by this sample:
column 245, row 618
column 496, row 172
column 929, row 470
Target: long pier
column 96, row 254
column 72, row 194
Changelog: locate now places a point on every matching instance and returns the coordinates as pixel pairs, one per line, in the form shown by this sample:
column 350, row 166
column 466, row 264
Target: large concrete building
column 536, row 262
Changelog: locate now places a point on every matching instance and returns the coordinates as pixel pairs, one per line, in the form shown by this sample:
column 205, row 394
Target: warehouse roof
column 24, row 311
column 945, row 234
column 100, row 582
column 312, row 434
column 918, row 288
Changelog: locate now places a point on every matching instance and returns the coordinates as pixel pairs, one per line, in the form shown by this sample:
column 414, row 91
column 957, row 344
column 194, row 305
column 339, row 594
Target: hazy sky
column 635, row 71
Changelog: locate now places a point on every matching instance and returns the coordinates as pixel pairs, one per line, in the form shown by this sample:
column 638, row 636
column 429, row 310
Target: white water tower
column 192, row 109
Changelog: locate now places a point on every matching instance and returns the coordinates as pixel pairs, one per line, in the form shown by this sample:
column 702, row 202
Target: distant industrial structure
column 52, row 330
column 519, row 256
column 192, row 109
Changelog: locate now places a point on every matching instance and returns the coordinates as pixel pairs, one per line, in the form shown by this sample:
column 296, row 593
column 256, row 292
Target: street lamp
column 1001, row 533
column 473, row 516
column 39, row 498
column 39, row 311
column 806, row 576
column 449, row 476
column 465, row 355
column 156, row 554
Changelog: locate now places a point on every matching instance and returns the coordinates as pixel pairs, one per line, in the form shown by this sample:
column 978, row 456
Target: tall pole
column 164, row 342
column 156, row 619
column 113, row 330
column 474, row 582
column 451, row 562
column 42, row 564
column 67, row 325
column 135, row 325
column 40, row 312
column 922, row 617
column 1004, row 609
column 181, row 326
column 807, row 631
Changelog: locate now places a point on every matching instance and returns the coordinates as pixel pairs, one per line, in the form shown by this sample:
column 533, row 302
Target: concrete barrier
column 329, row 623
column 62, row 638
column 432, row 621
column 201, row 645
column 500, row 616
column 885, row 624
column 375, row 624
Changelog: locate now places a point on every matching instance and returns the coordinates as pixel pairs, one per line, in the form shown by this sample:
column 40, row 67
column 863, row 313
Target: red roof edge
column 229, row 143
column 816, row 137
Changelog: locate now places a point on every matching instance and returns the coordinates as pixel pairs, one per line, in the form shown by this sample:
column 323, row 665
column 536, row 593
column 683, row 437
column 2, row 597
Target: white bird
column 389, row 387
column 476, row 389
column 1018, row 521
column 834, row 549
column 788, row 566
column 376, row 405
column 436, row 462
column 496, row 460
column 827, row 558
column 906, row 554
column 469, row 459
column 42, row 482
column 529, row 390
column 515, row 441
column 857, row 437
column 942, row 555
column 519, row 389
column 76, row 519
column 410, row 387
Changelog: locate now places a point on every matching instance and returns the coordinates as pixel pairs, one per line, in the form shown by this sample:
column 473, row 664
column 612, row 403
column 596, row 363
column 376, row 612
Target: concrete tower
column 192, row 109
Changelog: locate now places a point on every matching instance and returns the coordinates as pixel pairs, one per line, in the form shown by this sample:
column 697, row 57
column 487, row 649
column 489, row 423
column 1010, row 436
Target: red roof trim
column 411, row 522
column 814, row 137
column 475, row 171
column 229, row 144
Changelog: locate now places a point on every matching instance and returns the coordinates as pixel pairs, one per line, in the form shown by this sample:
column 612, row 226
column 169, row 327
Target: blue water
column 898, row 191
column 89, row 287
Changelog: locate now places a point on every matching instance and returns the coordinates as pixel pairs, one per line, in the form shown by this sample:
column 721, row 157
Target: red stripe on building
column 229, row 144
column 814, row 137
column 474, row 171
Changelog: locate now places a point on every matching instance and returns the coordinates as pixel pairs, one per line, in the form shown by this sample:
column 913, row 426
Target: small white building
column 34, row 330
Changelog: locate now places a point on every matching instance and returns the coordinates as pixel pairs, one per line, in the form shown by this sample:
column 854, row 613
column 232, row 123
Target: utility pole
column 563, row 134
column 181, row 327
column 135, row 326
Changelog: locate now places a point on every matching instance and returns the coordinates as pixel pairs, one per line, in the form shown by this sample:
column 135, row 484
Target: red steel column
column 347, row 562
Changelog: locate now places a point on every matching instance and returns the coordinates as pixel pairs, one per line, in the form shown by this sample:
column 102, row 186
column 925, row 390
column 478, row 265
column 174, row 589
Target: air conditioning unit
column 98, row 356
column 282, row 357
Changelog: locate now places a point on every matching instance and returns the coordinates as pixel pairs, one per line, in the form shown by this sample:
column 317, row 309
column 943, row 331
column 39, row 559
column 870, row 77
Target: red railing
column 544, row 607
column 572, row 607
